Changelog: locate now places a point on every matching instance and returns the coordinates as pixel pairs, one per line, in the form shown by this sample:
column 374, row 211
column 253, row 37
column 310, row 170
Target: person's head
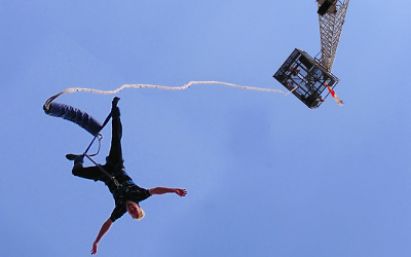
column 135, row 211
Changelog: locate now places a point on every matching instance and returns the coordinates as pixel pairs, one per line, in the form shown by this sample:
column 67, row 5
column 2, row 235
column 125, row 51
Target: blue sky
column 266, row 176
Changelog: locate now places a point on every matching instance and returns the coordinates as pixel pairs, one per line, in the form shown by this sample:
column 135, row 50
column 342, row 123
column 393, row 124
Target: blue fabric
column 75, row 115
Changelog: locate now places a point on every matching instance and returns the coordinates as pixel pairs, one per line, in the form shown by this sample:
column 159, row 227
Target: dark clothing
column 128, row 190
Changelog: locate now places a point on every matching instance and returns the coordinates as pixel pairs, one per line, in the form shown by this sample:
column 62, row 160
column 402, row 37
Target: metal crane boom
column 331, row 15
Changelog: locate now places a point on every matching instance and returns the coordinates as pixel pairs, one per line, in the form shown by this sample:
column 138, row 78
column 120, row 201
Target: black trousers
column 114, row 161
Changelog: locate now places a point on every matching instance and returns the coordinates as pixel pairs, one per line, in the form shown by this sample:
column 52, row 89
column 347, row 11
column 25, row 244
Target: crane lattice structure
column 331, row 22
column 310, row 79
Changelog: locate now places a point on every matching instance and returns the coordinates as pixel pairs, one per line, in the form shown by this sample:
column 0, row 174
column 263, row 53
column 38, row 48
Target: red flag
column 334, row 95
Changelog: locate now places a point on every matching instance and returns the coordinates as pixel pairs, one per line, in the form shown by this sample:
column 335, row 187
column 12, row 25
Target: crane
column 331, row 16
column 307, row 77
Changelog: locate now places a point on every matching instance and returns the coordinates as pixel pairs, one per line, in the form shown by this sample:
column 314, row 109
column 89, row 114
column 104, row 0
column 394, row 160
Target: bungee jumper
column 127, row 195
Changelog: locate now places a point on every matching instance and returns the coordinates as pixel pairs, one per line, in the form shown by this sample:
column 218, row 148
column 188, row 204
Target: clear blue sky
column 266, row 176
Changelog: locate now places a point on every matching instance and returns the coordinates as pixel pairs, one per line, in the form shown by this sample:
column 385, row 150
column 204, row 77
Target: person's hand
column 181, row 192
column 94, row 248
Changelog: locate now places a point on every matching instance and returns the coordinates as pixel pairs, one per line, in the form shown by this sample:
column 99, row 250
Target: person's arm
column 165, row 190
column 106, row 226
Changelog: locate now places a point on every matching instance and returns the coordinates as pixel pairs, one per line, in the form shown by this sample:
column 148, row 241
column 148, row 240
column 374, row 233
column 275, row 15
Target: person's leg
column 115, row 157
column 92, row 173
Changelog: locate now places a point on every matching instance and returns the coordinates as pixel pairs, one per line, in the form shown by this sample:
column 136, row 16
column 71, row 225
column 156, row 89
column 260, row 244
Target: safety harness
column 98, row 136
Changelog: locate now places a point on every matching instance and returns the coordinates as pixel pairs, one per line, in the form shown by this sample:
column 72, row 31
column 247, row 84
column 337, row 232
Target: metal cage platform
column 306, row 78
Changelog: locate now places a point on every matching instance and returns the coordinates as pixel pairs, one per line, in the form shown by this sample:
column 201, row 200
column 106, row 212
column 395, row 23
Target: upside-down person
column 127, row 195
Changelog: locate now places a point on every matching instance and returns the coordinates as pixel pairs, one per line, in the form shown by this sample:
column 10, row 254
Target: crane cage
column 306, row 78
